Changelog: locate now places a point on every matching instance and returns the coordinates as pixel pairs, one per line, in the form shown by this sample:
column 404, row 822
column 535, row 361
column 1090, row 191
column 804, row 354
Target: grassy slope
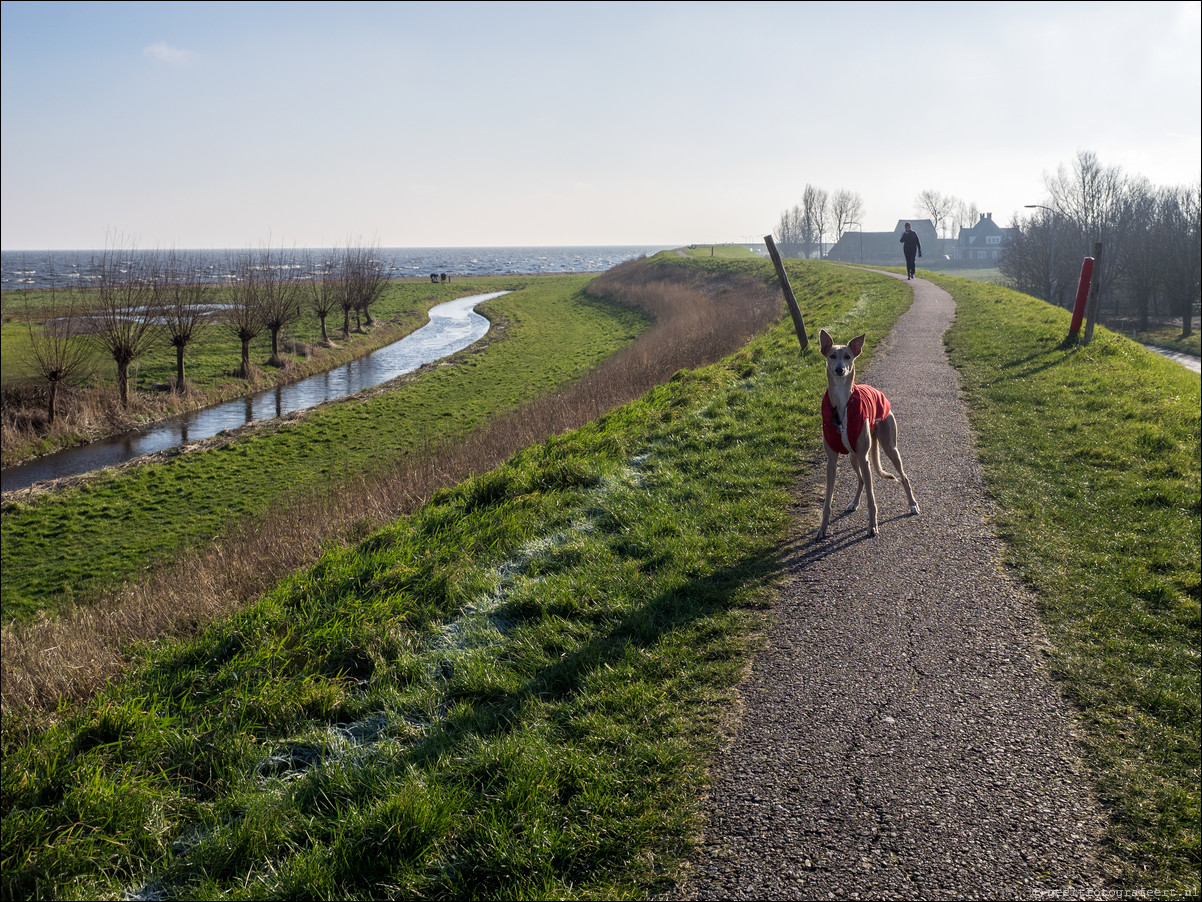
column 510, row 694
column 1093, row 456
column 112, row 529
column 528, row 671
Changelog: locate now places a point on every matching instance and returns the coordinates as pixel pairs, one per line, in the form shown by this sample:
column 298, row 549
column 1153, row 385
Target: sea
column 41, row 269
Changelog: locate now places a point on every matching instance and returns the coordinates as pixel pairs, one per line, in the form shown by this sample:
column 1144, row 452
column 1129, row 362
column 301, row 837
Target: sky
column 233, row 125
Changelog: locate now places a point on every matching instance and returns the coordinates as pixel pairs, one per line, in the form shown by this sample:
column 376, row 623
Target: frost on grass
column 479, row 631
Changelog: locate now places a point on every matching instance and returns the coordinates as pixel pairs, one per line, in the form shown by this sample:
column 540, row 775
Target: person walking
column 910, row 246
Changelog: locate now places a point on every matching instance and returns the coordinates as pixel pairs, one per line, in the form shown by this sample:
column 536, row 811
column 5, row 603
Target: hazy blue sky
column 459, row 124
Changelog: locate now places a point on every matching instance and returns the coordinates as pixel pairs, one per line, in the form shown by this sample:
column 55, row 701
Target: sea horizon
column 30, row 269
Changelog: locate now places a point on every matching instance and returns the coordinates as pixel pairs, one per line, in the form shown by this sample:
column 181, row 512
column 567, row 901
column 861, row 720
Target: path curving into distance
column 900, row 736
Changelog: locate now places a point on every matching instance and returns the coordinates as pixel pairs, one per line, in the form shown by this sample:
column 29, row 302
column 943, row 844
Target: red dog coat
column 865, row 403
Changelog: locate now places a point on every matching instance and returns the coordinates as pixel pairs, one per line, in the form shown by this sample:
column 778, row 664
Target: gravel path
column 900, row 736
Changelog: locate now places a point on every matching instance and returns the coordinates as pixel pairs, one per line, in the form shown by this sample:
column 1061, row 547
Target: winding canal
column 453, row 326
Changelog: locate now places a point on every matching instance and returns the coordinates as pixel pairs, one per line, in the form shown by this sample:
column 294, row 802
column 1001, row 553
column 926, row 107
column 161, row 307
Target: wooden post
column 794, row 310
column 1092, row 314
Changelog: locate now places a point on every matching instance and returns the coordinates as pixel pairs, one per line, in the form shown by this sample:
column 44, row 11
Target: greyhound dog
column 857, row 421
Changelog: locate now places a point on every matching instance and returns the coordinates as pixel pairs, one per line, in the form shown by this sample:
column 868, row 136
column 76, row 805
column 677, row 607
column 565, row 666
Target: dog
column 856, row 421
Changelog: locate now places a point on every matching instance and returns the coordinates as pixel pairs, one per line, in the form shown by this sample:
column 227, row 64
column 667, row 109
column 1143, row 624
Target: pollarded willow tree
column 58, row 353
column 277, row 276
column 185, row 300
column 369, row 279
column 123, row 314
column 243, row 314
column 361, row 281
column 322, row 292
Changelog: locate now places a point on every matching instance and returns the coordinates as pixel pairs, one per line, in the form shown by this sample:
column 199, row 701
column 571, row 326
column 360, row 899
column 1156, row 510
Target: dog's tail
column 875, row 452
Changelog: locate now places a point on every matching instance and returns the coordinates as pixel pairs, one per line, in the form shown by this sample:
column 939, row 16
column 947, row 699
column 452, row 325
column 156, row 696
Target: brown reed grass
column 697, row 319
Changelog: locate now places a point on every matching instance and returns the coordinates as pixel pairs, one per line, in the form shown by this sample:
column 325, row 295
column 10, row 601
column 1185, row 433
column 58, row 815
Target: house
column 884, row 248
column 982, row 242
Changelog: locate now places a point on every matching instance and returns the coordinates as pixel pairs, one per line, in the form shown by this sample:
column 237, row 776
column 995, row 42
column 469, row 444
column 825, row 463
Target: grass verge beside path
column 1093, row 456
column 102, row 533
column 512, row 693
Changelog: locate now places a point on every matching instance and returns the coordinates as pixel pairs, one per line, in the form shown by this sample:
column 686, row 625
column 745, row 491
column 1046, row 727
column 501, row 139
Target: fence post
column 794, row 310
column 1092, row 315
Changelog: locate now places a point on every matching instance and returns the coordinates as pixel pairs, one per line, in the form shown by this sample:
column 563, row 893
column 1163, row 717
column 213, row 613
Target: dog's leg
column 832, row 464
column 855, row 502
column 886, row 435
column 865, row 471
column 860, row 458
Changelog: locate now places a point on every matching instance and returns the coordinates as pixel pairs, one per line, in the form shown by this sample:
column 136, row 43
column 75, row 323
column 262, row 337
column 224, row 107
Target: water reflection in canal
column 453, row 326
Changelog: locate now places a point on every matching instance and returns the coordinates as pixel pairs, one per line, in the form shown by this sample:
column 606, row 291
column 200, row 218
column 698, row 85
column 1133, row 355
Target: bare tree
column 243, row 316
column 1027, row 260
column 1095, row 200
column 813, row 200
column 817, row 201
column 323, row 292
column 789, row 233
column 847, row 207
column 279, row 296
column 57, row 352
column 1150, row 240
column 185, row 303
column 938, row 206
column 124, row 314
column 1142, row 272
column 368, row 278
column 1180, row 217
column 966, row 214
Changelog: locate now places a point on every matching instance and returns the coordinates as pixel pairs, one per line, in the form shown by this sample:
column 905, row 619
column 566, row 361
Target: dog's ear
column 856, row 345
column 825, row 341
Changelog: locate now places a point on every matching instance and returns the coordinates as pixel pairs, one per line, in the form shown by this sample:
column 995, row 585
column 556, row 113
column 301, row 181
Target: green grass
column 1170, row 337
column 211, row 362
column 79, row 540
column 512, row 693
column 714, row 251
column 1093, row 456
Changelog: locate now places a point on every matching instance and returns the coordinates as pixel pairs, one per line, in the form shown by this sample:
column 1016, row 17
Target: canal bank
column 452, row 326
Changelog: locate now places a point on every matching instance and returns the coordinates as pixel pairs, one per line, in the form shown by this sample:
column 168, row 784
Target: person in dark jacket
column 910, row 246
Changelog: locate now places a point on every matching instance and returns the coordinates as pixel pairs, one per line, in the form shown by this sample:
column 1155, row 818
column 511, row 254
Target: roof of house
column 884, row 247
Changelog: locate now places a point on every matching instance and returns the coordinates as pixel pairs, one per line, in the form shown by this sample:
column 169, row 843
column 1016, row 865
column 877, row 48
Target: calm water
column 453, row 326
column 35, row 269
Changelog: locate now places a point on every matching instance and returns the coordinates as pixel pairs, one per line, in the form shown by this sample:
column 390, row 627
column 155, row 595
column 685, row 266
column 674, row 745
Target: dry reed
column 697, row 319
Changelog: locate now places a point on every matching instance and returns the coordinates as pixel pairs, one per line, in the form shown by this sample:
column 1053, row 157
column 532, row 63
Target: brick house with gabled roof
column 982, row 242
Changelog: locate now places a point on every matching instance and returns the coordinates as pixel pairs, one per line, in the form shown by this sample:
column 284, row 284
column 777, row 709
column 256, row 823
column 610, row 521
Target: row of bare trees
column 1151, row 238
column 133, row 302
column 804, row 228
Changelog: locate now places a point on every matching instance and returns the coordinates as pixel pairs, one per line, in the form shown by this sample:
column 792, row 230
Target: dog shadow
column 808, row 548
